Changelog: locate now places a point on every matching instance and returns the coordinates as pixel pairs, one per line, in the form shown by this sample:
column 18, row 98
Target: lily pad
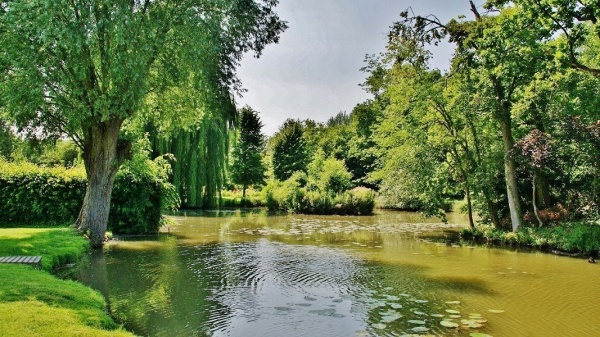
column 421, row 301
column 392, row 297
column 496, row 311
column 448, row 324
column 419, row 329
column 451, row 311
column 436, row 315
column 420, row 313
column 390, row 318
column 479, row 334
column 396, row 306
column 455, row 316
column 416, row 321
column 379, row 326
column 452, row 302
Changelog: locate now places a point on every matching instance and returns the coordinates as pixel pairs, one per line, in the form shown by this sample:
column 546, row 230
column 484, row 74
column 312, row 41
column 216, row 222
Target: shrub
column 53, row 196
column 577, row 237
column 291, row 196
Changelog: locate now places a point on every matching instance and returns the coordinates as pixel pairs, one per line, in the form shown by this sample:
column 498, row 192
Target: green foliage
column 235, row 199
column 248, row 168
column 289, row 150
column 53, row 196
column 82, row 69
column 575, row 237
column 324, row 190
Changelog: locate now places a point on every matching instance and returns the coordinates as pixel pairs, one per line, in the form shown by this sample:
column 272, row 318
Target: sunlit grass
column 56, row 246
column 35, row 303
column 35, row 318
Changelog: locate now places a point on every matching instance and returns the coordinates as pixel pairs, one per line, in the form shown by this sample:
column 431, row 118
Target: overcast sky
column 314, row 71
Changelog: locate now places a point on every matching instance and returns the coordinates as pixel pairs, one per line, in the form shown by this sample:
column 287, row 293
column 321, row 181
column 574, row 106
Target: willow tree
column 82, row 68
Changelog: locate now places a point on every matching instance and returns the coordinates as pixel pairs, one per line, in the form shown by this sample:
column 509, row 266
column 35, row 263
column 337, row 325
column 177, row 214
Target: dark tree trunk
column 469, row 205
column 102, row 159
column 244, row 191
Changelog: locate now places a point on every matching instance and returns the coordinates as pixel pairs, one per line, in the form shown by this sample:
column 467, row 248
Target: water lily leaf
column 379, row 326
column 436, row 315
column 392, row 297
column 390, row 318
column 419, row 329
column 449, row 324
column 420, row 313
column 452, row 302
column 396, row 305
column 455, row 316
column 496, row 311
column 421, row 301
column 479, row 334
column 416, row 321
column 451, row 311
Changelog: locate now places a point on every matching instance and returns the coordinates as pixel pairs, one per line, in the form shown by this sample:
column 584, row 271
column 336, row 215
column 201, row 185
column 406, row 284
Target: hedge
column 36, row 196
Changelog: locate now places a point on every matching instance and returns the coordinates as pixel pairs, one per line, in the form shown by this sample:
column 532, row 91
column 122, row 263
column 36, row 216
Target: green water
column 249, row 274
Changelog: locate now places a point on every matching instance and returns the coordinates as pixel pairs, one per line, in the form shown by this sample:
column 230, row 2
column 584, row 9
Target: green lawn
column 35, row 303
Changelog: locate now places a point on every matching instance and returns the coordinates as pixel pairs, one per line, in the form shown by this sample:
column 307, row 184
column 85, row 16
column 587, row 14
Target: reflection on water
column 248, row 274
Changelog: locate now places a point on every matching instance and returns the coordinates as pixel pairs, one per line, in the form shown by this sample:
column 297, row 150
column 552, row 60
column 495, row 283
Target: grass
column 33, row 302
column 56, row 246
column 234, row 199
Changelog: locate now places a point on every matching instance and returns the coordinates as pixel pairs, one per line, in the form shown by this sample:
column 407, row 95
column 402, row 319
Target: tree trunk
column 469, row 205
column 101, row 158
column 244, row 191
column 512, row 191
column 534, row 201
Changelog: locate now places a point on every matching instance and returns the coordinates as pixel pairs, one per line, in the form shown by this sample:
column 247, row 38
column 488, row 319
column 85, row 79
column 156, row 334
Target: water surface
column 249, row 274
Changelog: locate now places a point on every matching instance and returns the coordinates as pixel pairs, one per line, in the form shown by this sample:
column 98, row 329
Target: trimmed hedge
column 31, row 195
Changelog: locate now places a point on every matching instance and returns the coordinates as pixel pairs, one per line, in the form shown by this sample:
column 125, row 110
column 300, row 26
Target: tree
column 576, row 21
column 247, row 168
column 289, row 150
column 83, row 68
column 499, row 55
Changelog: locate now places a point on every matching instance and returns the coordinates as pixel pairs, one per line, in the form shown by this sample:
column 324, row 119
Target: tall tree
column 82, row 68
column 248, row 168
column 289, row 150
column 501, row 56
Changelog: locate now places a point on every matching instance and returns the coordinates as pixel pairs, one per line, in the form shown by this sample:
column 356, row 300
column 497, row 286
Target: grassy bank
column 35, row 303
column 581, row 238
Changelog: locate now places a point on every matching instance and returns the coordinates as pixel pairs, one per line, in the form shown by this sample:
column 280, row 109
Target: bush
column 291, row 196
column 576, row 237
column 53, row 196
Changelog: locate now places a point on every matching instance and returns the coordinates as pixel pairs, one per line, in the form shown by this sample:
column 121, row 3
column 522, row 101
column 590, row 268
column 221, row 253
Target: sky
column 314, row 70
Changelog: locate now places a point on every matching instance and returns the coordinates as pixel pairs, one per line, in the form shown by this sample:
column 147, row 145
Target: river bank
column 34, row 302
column 576, row 239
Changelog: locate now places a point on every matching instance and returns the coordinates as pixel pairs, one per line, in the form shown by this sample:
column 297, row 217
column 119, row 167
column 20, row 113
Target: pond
column 392, row 274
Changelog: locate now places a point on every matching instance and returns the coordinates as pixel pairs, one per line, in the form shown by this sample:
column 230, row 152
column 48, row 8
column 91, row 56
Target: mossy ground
column 35, row 303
